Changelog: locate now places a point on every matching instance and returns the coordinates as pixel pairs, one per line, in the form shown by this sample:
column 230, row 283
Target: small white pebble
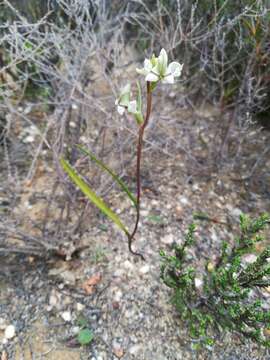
column 66, row 316
column 167, row 239
column 118, row 295
column 80, row 307
column 75, row 330
column 10, row 332
column 84, row 139
column 27, row 110
column 144, row 269
column 183, row 200
column 128, row 265
column 29, row 139
column 236, row 212
column 135, row 349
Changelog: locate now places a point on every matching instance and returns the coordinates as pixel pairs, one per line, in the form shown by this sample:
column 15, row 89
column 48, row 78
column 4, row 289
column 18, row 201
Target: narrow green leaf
column 138, row 114
column 92, row 196
column 113, row 175
column 139, row 98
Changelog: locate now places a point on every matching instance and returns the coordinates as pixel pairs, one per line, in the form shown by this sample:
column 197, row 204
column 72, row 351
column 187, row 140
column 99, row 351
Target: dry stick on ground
column 138, row 167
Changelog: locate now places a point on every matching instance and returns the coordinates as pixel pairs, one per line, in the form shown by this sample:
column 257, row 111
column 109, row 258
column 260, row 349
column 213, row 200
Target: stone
column 54, row 298
column 66, row 316
column 183, row 200
column 29, row 139
column 68, row 277
column 75, row 330
column 144, row 269
column 128, row 265
column 118, row 295
column 117, row 349
column 167, row 239
column 80, row 307
column 236, row 212
column 10, row 332
column 135, row 349
column 118, row 352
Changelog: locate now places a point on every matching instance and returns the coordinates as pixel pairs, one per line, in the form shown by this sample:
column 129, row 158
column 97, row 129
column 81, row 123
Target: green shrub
column 228, row 296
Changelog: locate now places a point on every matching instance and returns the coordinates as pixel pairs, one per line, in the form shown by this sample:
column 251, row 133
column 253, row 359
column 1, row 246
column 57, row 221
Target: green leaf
column 92, row 196
column 125, row 96
column 85, row 336
column 138, row 114
column 139, row 97
column 139, row 118
column 113, row 175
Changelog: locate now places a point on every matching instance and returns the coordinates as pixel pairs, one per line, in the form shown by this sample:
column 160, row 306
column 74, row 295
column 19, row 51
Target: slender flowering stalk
column 138, row 166
column 155, row 69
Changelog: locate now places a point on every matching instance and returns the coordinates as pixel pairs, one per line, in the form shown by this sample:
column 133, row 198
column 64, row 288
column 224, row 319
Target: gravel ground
column 129, row 309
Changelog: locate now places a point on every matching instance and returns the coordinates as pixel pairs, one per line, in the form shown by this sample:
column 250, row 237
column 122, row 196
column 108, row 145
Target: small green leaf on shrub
column 85, row 336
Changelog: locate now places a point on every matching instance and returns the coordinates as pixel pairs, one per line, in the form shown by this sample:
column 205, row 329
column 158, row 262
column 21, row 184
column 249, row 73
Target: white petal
column 162, row 61
column 121, row 110
column 163, row 57
column 132, row 107
column 116, row 102
column 147, row 65
column 169, row 79
column 155, row 70
column 175, row 68
column 151, row 77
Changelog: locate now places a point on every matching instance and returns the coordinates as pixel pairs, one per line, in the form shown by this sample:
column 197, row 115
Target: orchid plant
column 155, row 70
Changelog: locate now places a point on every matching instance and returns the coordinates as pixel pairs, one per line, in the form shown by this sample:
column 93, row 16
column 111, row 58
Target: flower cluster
column 123, row 102
column 155, row 69
column 134, row 107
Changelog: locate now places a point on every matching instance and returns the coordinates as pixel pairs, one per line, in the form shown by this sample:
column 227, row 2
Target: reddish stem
column 138, row 167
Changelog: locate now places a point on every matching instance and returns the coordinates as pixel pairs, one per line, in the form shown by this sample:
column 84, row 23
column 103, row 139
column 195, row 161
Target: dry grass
column 58, row 84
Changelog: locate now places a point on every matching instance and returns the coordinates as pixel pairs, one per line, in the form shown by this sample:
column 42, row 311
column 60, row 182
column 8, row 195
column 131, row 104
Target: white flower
column 122, row 102
column 120, row 109
column 156, row 69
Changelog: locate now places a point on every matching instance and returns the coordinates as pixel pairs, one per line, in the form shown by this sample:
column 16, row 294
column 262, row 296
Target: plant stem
column 138, row 167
